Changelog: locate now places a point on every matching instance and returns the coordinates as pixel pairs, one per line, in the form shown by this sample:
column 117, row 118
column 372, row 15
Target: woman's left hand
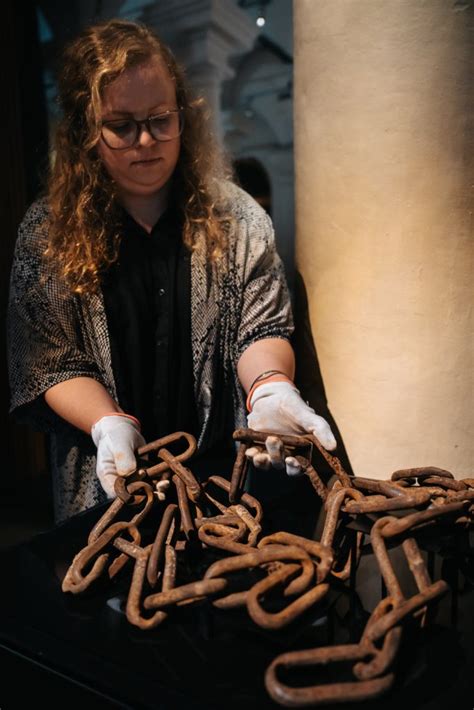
column 278, row 407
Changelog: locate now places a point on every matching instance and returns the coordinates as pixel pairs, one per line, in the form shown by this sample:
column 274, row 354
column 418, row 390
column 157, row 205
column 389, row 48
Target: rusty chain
column 220, row 516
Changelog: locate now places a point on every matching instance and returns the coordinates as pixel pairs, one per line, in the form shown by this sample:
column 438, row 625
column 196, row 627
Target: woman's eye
column 121, row 128
column 161, row 121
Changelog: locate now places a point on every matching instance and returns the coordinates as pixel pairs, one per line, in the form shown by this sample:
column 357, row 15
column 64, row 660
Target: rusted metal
column 383, row 560
column 246, row 498
column 119, row 563
column 323, row 693
column 407, row 607
column 276, row 620
column 316, row 482
column 239, row 474
column 429, row 516
column 466, row 495
column 76, row 579
column 263, row 573
column 402, row 607
column 448, row 483
column 322, row 554
column 193, row 488
column 107, row 519
column 122, row 483
column 380, row 658
column 300, row 584
column 270, row 553
column 194, row 590
column 420, row 473
column 388, row 489
column 223, row 537
column 333, row 461
column 252, row 437
column 187, row 523
column 169, row 572
column 223, row 519
column 135, row 594
column 255, row 558
column 254, row 528
column 117, row 504
column 333, row 506
column 416, row 563
column 158, row 444
column 231, row 601
column 409, row 499
column 167, row 522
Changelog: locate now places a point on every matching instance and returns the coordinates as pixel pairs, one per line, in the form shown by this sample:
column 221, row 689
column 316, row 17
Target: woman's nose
column 145, row 138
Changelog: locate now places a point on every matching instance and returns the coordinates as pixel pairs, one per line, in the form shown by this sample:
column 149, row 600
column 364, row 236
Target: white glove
column 278, row 407
column 116, row 437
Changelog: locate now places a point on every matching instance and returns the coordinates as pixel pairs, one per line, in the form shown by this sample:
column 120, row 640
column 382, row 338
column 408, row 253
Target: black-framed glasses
column 122, row 133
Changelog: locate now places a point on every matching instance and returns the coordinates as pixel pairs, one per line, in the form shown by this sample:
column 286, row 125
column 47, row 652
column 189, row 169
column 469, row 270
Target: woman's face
column 145, row 168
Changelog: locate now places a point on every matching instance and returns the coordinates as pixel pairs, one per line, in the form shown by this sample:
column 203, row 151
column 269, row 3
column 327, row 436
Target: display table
column 70, row 651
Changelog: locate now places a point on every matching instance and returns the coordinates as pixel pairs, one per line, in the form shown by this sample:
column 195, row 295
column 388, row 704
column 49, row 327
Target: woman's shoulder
column 239, row 204
column 33, row 228
column 36, row 216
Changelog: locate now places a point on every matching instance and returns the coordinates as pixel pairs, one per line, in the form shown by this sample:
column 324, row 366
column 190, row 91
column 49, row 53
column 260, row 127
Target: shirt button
column 161, row 292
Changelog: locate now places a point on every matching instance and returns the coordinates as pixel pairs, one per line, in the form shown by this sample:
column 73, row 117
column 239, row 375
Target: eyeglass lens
column 124, row 133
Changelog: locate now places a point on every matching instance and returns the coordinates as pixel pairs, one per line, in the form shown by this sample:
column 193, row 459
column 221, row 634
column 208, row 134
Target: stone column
column 384, row 176
column 204, row 35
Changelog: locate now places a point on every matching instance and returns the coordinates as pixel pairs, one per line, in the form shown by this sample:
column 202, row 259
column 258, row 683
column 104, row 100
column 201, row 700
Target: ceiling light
column 260, row 21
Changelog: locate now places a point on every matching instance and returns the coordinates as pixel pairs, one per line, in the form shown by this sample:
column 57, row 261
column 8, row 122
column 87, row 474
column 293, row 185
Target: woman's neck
column 146, row 211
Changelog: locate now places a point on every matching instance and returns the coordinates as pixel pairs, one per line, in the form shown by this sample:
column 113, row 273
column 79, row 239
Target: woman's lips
column 150, row 161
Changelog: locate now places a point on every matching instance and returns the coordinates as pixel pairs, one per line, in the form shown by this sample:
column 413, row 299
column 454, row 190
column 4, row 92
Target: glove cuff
column 268, row 388
column 133, row 419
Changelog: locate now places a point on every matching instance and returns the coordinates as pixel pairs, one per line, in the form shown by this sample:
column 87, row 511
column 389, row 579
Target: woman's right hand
column 117, row 437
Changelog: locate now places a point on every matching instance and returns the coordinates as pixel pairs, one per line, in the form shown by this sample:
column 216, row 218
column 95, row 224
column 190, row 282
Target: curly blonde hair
column 84, row 229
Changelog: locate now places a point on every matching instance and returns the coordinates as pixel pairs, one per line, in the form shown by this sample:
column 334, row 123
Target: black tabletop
column 81, row 649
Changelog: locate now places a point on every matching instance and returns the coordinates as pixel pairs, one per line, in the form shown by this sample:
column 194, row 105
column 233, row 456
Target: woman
column 146, row 293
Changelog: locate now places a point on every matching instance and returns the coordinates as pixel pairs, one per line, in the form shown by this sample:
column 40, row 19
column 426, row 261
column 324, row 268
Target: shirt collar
column 168, row 223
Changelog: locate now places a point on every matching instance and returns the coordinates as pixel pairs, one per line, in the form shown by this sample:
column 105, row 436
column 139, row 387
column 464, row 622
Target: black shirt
column 148, row 308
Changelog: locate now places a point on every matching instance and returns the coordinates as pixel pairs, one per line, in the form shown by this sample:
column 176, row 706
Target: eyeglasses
column 123, row 133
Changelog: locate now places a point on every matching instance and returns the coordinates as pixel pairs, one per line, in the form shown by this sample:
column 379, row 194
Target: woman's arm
column 274, row 403
column 81, row 401
column 263, row 355
column 84, row 402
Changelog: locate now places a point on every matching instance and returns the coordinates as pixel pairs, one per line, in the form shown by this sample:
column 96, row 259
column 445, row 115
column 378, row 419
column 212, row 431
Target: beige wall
column 383, row 161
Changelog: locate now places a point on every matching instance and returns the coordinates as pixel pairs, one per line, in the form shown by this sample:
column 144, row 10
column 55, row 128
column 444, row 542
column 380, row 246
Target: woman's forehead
column 140, row 87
